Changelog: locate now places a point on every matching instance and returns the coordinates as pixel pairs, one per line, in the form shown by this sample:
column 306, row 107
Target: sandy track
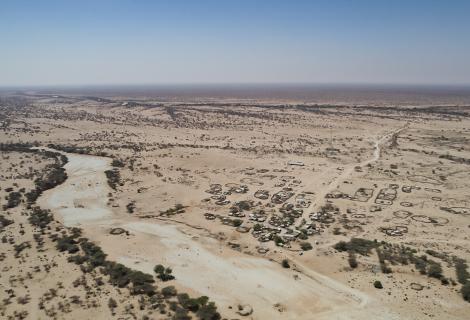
column 201, row 264
column 348, row 170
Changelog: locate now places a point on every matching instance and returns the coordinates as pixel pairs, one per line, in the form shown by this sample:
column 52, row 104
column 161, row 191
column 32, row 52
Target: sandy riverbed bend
column 245, row 201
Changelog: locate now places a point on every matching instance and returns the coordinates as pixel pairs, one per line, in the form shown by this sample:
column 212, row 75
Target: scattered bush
column 378, row 284
column 177, row 209
column 114, row 178
column 420, row 264
column 278, row 240
column 95, row 256
column 112, row 304
column 169, row 291
column 117, row 163
column 14, row 199
column 142, row 283
column 121, row 276
column 189, row 303
column 352, row 260
column 466, row 291
column 40, row 217
column 285, row 263
column 20, row 247
column 163, row 273
column 306, row 246
column 204, row 309
column 436, row 254
column 208, row 311
column 435, row 270
column 357, row 245
column 237, row 222
column 130, row 207
column 4, row 222
column 67, row 243
column 159, row 269
column 181, row 314
column 461, row 266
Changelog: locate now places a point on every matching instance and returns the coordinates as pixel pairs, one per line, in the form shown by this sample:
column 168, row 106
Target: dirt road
column 348, row 170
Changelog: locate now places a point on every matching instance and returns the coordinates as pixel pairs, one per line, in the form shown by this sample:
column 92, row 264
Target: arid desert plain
column 137, row 207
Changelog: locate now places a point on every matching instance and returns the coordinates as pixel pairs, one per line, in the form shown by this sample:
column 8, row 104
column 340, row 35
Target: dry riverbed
column 201, row 264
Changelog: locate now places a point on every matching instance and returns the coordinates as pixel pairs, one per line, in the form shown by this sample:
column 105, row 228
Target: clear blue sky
column 153, row 42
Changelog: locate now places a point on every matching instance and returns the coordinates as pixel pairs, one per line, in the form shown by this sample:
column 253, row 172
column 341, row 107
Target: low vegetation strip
column 394, row 254
column 53, row 175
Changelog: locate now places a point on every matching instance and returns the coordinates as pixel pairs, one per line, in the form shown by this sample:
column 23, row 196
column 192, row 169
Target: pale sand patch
column 237, row 279
column 242, row 279
column 83, row 196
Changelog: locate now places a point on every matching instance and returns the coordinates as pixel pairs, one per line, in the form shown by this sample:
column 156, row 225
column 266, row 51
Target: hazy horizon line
column 242, row 84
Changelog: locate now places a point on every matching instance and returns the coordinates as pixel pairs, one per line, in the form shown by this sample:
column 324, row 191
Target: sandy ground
column 236, row 279
column 348, row 170
column 174, row 152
